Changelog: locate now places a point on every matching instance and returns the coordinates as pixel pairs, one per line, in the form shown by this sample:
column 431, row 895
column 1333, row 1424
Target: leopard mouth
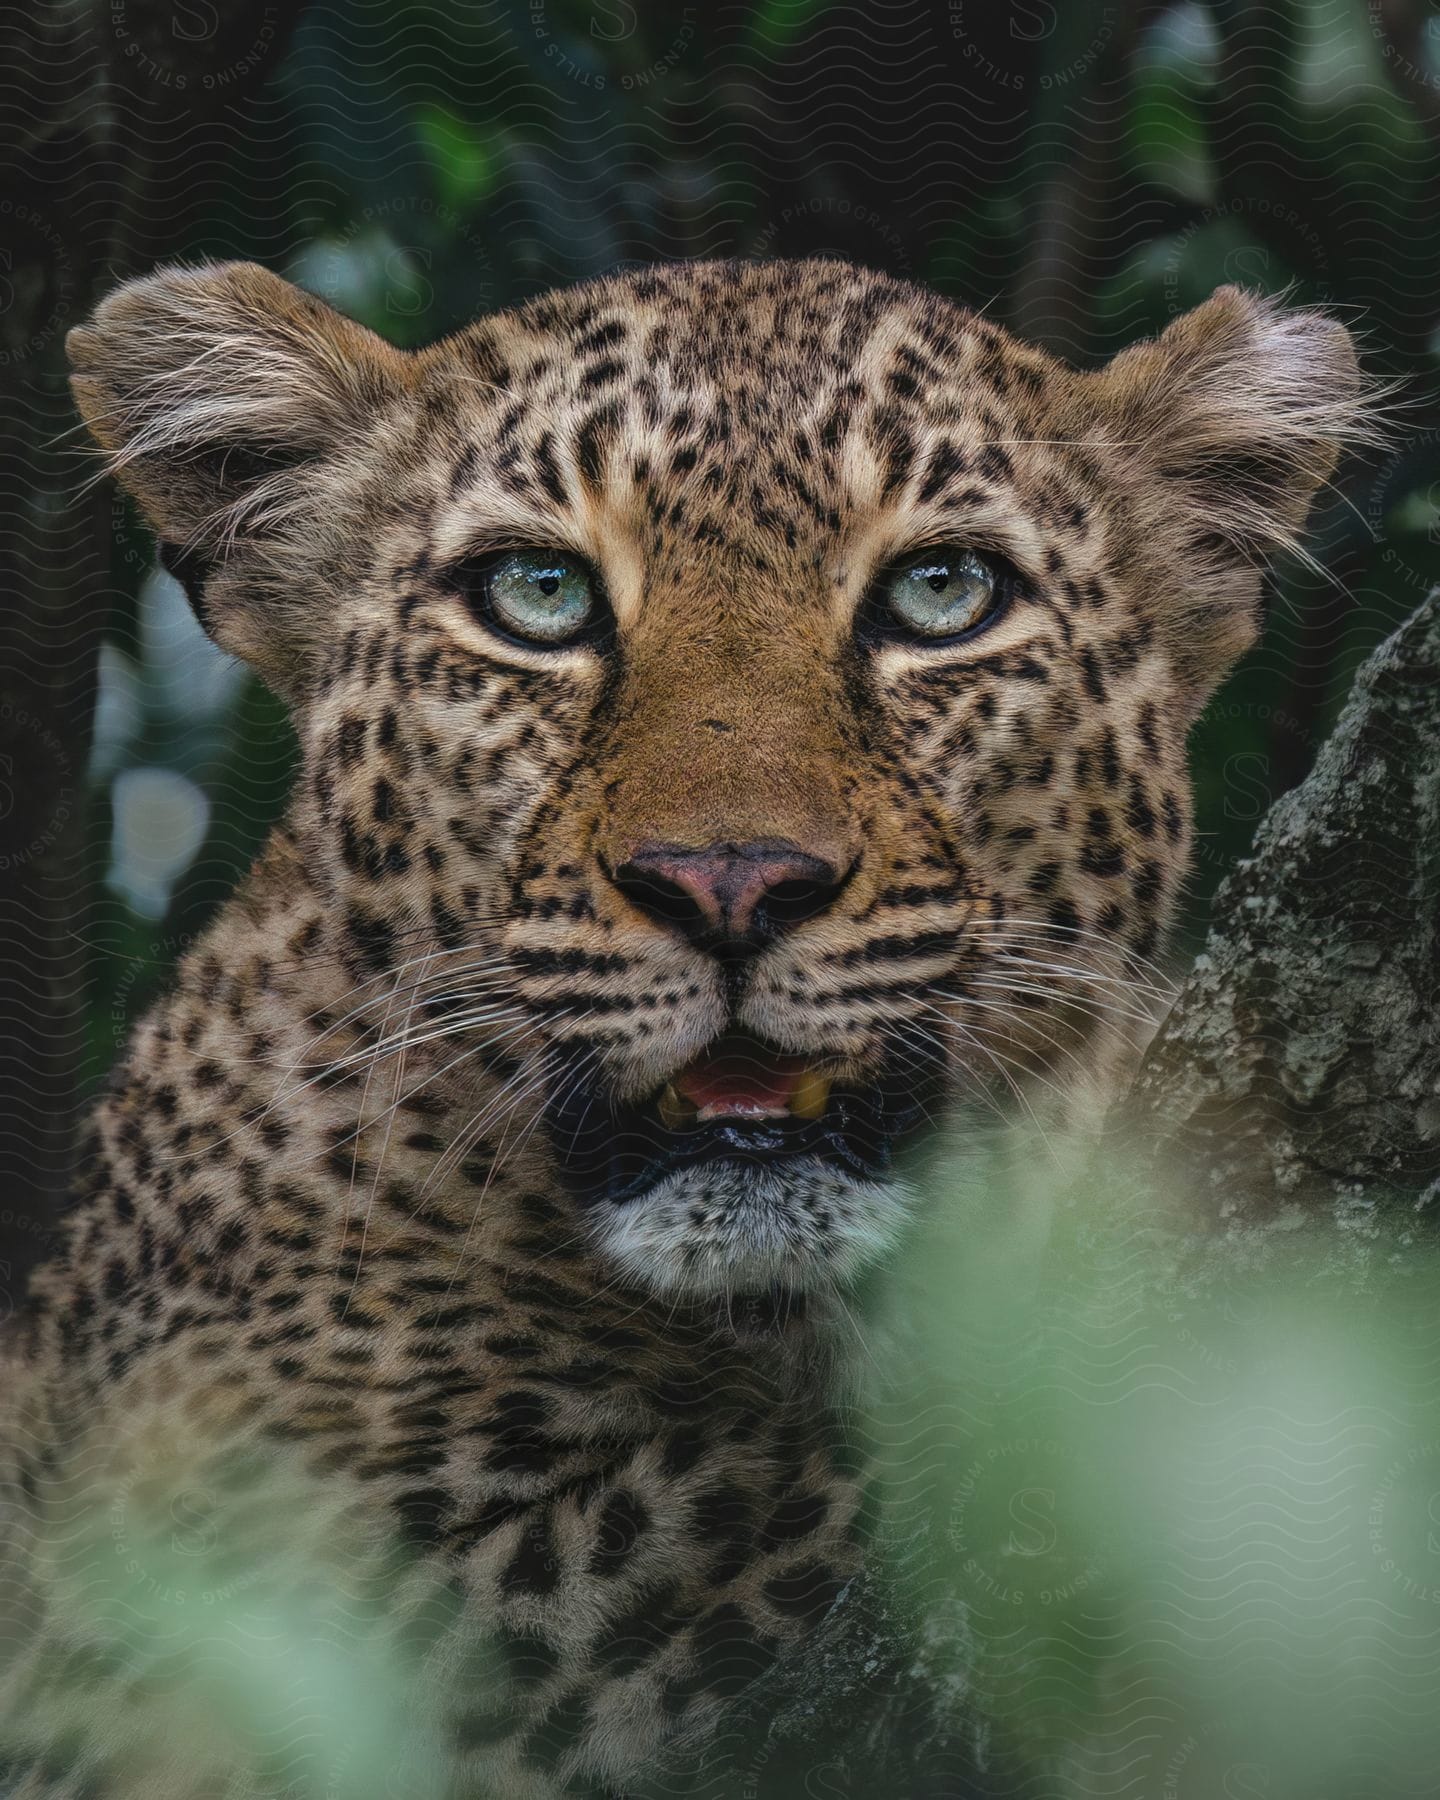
column 742, row 1101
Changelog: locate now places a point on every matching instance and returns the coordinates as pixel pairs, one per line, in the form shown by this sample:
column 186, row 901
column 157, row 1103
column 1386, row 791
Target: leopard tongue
column 743, row 1078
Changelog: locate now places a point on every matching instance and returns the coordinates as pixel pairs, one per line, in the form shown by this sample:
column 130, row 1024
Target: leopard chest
column 628, row 1533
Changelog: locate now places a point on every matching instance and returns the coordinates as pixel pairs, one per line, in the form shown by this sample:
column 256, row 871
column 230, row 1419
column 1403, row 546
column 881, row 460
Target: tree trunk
column 131, row 105
column 1299, row 1071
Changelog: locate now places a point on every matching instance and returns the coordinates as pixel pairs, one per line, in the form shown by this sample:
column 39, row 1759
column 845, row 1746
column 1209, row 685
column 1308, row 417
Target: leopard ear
column 1231, row 420
column 218, row 393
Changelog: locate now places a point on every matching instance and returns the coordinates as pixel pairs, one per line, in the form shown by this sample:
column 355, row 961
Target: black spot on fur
column 806, row 1591
column 535, row 1566
column 622, row 1524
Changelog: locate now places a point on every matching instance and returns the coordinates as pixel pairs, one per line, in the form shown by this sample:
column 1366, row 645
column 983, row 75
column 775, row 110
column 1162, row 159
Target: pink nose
column 729, row 895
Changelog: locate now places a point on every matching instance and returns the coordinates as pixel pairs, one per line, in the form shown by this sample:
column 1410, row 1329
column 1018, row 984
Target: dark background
column 1083, row 172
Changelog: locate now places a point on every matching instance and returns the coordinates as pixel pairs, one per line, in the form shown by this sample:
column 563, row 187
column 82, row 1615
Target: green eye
column 543, row 596
column 940, row 593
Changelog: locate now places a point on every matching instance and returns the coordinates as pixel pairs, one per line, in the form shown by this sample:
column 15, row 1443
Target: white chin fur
column 725, row 1228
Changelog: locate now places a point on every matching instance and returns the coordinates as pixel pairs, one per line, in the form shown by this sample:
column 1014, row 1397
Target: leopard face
column 753, row 697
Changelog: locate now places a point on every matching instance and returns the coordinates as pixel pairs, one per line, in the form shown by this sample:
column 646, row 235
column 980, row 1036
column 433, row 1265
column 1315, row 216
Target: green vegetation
column 1181, row 1526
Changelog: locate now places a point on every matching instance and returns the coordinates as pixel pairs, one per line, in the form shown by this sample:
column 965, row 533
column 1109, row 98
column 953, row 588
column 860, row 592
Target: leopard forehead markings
column 322, row 1203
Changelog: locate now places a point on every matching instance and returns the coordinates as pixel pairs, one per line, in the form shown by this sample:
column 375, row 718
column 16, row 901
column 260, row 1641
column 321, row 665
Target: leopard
column 742, row 715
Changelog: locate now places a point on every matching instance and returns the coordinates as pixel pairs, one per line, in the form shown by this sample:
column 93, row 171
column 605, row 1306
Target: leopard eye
column 943, row 592
column 539, row 596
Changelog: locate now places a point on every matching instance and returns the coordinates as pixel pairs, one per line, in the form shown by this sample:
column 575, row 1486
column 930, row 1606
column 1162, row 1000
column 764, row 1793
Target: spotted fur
column 322, row 1208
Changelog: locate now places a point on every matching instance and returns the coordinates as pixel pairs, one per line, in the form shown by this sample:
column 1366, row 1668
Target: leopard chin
column 751, row 1170
column 734, row 1229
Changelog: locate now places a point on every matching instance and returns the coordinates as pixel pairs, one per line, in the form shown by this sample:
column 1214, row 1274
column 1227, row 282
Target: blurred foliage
column 1188, row 1502
column 1176, row 1530
column 1084, row 172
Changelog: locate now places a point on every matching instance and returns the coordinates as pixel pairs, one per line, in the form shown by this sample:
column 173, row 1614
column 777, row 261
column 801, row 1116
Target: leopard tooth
column 810, row 1095
column 674, row 1109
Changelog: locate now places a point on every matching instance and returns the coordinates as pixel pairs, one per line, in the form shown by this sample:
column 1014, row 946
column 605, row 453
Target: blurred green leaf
column 777, row 22
column 463, row 160
column 1160, row 1481
column 1168, row 145
column 1418, row 512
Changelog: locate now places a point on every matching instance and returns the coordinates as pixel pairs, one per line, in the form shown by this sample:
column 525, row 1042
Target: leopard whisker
column 1073, row 936
column 1093, row 1005
column 837, row 1296
column 539, row 1083
column 1026, row 1016
column 420, row 1086
column 1002, row 1070
column 499, row 1112
column 451, row 1027
column 379, row 1166
column 490, row 1176
column 419, row 932
column 493, row 1007
column 1022, row 1017
column 470, row 975
column 1023, row 946
column 1028, row 962
column 971, row 1029
column 334, row 1064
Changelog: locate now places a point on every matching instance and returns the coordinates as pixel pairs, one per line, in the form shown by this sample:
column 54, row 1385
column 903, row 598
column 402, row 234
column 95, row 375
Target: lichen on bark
column 1298, row 1075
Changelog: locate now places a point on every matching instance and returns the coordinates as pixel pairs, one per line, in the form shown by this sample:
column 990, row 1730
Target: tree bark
column 1298, row 1075
column 131, row 104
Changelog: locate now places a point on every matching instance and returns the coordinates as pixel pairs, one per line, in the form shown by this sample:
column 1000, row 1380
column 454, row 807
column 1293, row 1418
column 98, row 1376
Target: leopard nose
column 729, row 897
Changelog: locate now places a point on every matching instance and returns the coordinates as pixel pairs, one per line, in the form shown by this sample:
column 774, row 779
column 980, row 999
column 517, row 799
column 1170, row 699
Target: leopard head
column 774, row 677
